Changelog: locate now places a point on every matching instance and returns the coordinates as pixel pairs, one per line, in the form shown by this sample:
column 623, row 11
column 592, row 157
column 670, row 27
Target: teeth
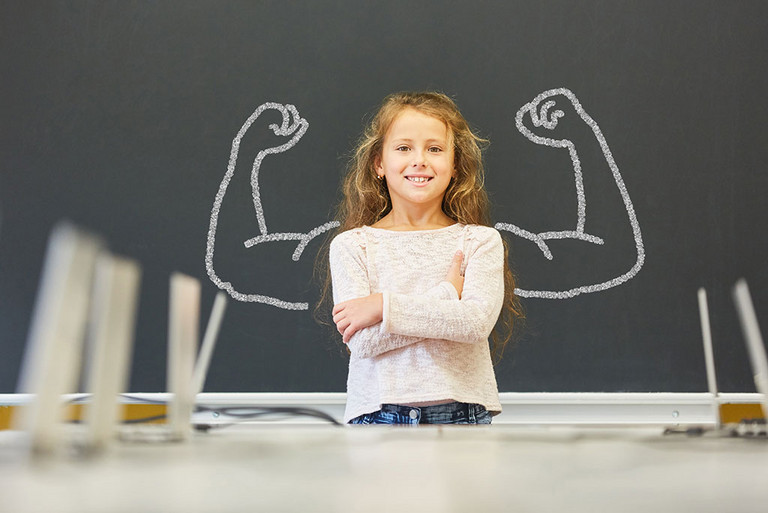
column 418, row 179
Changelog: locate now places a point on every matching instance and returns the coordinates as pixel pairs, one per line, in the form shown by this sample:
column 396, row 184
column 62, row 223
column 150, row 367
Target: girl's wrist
column 379, row 299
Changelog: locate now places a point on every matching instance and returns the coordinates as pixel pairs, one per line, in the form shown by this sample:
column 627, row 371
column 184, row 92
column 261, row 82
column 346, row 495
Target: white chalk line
column 544, row 118
column 295, row 126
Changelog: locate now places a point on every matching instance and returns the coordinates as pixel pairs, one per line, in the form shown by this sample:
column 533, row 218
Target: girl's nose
column 419, row 160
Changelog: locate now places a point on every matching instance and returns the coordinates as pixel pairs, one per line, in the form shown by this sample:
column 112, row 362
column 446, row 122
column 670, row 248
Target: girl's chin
column 421, row 200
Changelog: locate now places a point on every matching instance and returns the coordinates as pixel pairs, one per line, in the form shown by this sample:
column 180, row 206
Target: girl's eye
column 435, row 149
column 402, row 148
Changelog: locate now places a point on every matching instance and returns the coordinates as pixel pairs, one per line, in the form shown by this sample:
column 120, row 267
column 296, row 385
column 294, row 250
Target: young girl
column 419, row 278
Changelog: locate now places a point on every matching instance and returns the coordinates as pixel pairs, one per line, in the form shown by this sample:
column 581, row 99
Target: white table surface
column 310, row 468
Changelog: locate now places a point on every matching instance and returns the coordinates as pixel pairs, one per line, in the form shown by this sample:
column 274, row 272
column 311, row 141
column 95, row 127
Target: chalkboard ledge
column 526, row 408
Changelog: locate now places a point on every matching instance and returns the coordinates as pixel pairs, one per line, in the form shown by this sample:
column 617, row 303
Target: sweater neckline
column 433, row 230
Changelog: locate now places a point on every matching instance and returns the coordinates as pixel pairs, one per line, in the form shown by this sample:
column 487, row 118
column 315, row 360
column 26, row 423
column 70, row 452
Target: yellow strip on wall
column 5, row 417
column 733, row 413
column 75, row 412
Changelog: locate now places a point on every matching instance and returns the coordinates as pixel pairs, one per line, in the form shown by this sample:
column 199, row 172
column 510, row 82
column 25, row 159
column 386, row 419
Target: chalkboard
column 645, row 180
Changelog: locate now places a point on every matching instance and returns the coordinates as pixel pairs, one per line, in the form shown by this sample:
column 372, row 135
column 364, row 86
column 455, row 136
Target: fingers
column 346, row 329
column 337, row 313
column 455, row 276
column 455, row 268
column 347, row 334
column 338, row 318
column 343, row 324
column 541, row 115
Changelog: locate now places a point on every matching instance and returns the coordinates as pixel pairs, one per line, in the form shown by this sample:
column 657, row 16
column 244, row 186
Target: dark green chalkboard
column 120, row 116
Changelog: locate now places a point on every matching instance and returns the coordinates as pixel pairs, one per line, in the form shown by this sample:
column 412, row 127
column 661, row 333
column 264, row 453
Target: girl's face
column 416, row 160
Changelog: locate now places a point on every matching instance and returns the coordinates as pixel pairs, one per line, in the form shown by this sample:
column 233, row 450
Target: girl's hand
column 356, row 314
column 455, row 275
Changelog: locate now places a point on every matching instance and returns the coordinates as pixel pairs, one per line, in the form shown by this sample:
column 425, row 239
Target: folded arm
column 469, row 319
column 357, row 312
column 460, row 309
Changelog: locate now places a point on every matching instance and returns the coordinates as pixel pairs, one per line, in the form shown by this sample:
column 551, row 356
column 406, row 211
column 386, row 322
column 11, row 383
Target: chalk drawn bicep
column 290, row 130
column 550, row 119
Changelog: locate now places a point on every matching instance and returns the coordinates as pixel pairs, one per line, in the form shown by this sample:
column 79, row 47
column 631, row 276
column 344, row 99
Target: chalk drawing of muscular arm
column 294, row 127
column 544, row 113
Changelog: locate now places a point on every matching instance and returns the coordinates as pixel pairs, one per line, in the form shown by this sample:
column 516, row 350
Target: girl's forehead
column 411, row 120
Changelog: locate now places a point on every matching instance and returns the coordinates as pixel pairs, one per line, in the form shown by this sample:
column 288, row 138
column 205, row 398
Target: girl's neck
column 400, row 221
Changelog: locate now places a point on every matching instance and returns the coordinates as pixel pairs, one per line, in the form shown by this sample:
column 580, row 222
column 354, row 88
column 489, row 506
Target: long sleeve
column 430, row 345
column 349, row 275
column 468, row 320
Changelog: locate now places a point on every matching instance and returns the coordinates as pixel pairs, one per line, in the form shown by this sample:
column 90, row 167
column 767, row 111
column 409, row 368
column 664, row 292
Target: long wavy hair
column 366, row 198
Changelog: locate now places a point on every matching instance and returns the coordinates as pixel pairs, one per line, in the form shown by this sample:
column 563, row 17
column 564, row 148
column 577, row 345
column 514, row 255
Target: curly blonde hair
column 366, row 198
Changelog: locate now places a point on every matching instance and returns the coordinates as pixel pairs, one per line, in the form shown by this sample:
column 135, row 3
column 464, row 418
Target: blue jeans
column 449, row 413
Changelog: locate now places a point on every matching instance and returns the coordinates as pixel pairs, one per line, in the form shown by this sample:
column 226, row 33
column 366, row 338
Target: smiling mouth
column 418, row 179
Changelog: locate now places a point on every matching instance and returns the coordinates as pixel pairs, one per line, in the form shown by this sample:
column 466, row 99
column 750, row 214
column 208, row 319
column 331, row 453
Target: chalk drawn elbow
column 525, row 234
column 540, row 238
column 586, row 289
column 303, row 238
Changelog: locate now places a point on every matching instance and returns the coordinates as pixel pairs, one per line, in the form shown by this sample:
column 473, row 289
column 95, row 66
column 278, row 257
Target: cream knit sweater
column 430, row 345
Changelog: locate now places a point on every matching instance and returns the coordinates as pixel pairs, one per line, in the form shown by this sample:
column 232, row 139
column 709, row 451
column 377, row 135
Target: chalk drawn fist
column 551, row 116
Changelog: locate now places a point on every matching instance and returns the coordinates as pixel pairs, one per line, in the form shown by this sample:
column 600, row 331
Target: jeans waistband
column 449, row 413
column 427, row 410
